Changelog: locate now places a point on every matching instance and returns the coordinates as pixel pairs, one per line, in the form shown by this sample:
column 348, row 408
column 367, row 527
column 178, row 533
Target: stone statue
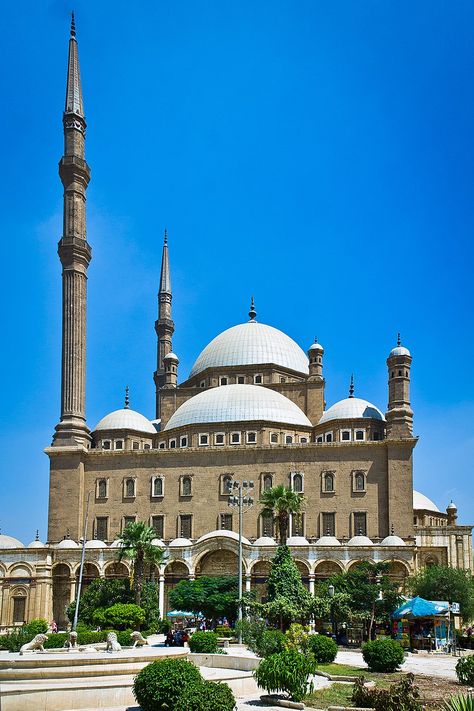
column 138, row 639
column 112, row 643
column 71, row 643
column 36, row 643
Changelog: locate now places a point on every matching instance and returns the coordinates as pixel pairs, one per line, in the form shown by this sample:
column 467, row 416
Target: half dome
column 125, row 419
column 265, row 541
column 393, row 540
column 420, row 501
column 9, row 542
column 351, row 408
column 238, row 403
column 67, row 543
column 328, row 541
column 360, row 541
column 180, row 543
column 95, row 543
column 251, row 343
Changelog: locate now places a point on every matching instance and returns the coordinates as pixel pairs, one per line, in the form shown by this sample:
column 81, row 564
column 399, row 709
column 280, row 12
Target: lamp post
column 81, row 569
column 239, row 497
column 331, row 591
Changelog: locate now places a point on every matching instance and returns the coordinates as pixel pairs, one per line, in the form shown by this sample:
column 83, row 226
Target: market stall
column 423, row 625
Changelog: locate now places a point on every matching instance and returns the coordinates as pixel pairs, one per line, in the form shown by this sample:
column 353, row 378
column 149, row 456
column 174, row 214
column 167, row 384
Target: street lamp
column 331, row 591
column 239, row 496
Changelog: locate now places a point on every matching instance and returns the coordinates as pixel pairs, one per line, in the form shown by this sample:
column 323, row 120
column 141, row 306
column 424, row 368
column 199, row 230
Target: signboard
column 455, row 609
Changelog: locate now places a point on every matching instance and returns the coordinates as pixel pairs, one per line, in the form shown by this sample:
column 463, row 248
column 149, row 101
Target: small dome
column 393, row 541
column 399, row 351
column 125, row 419
column 265, row 541
column 157, row 542
column 223, row 534
column 420, row 501
column 238, row 403
column 328, row 541
column 316, row 347
column 116, row 544
column 9, row 542
column 251, row 343
column 360, row 541
column 297, row 541
column 180, row 543
column 95, row 543
column 451, row 506
column 36, row 544
column 67, row 543
column 171, row 356
column 351, row 408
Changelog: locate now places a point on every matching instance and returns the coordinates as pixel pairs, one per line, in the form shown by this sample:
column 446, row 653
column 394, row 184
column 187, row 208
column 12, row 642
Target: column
column 161, row 596
column 248, row 579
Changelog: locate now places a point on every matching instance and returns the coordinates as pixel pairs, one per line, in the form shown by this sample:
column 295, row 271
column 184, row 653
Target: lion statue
column 71, row 643
column 138, row 639
column 112, row 643
column 36, row 643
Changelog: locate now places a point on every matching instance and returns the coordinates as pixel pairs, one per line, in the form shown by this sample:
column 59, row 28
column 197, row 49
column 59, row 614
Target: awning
column 418, row 607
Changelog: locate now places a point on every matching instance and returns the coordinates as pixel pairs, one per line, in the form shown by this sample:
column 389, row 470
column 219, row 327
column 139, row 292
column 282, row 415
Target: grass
column 335, row 695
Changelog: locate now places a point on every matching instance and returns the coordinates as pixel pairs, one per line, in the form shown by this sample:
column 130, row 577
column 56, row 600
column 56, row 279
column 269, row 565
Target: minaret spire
column 164, row 325
column 75, row 255
column 252, row 312
column 351, row 386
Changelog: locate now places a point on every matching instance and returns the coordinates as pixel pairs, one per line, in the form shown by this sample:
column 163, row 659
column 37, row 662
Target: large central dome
column 238, row 403
column 251, row 343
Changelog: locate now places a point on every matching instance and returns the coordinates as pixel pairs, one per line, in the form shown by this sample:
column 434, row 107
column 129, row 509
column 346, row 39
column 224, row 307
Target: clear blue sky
column 316, row 154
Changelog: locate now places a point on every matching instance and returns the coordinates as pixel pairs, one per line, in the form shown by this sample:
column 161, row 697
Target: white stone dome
column 297, row 541
column 125, row 419
column 67, row 543
column 399, row 351
column 360, row 541
column 451, row 506
column 251, row 343
column 223, row 534
column 316, row 347
column 328, row 541
column 9, row 542
column 265, row 541
column 420, row 501
column 117, row 543
column 95, row 543
column 238, row 403
column 36, row 544
column 351, row 408
column 171, row 356
column 158, row 542
column 180, row 543
column 393, row 540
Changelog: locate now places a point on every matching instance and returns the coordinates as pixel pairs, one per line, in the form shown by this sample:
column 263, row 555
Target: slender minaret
column 164, row 326
column 399, row 414
column 75, row 255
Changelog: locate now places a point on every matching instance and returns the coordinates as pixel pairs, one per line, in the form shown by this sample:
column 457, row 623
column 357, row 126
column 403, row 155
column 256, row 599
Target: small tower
column 171, row 362
column 315, row 355
column 164, row 325
column 399, row 414
column 452, row 511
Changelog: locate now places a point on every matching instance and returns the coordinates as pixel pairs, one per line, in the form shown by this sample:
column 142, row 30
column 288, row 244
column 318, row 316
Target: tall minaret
column 399, row 414
column 164, row 326
column 75, row 255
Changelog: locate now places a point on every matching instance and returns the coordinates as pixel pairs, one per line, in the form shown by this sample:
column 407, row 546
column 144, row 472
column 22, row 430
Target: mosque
column 251, row 411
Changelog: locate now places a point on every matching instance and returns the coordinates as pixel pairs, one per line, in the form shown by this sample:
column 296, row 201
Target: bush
column 252, row 630
column 206, row 696
column 459, row 703
column 38, row 626
column 101, row 593
column 125, row 638
column 121, row 616
column 287, row 671
column 324, row 648
column 272, row 642
column 224, row 631
column 465, row 670
column 15, row 639
column 402, row 696
column 162, row 626
column 297, row 637
column 56, row 641
column 383, row 655
column 203, row 642
column 90, row 636
column 160, row 684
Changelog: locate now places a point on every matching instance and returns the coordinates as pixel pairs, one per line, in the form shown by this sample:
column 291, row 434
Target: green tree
column 101, row 593
column 441, row 582
column 213, row 597
column 288, row 599
column 136, row 545
column 280, row 502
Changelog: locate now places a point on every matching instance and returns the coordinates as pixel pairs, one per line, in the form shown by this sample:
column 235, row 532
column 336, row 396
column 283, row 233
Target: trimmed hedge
column 324, row 648
column 160, row 684
column 383, row 655
column 206, row 696
column 203, row 642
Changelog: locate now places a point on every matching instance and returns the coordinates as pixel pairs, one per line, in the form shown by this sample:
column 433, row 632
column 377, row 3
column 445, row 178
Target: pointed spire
column 37, row 537
column 74, row 103
column 127, row 399
column 392, row 530
column 399, row 342
column 252, row 312
column 351, row 386
column 165, row 278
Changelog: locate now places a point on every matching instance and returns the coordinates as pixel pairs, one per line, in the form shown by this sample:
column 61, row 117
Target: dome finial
column 392, row 530
column 252, row 312
column 73, row 25
column 351, row 386
column 399, row 341
column 37, row 537
column 127, row 399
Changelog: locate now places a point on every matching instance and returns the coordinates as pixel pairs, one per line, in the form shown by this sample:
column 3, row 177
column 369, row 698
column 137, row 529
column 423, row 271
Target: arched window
column 129, row 488
column 328, row 482
column 158, row 486
column 297, row 483
column 267, row 482
column 186, row 486
column 226, row 484
column 102, row 489
column 267, row 524
column 359, row 481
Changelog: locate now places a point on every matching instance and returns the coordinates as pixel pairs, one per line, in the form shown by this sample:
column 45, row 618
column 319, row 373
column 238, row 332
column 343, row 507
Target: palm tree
column 136, row 545
column 280, row 502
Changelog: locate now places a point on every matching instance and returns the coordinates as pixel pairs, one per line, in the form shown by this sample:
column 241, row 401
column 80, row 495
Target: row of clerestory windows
column 183, row 527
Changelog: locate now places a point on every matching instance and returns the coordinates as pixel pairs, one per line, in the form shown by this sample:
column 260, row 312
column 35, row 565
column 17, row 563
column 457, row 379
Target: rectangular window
column 328, row 524
column 203, row 440
column 106, row 444
column 203, row 384
column 101, row 489
column 274, row 438
column 172, row 444
column 136, row 445
column 267, row 525
column 158, row 525
column 251, row 437
column 19, row 609
column 223, row 381
column 297, row 524
column 235, row 438
column 219, row 438
column 346, row 435
column 127, row 520
column 225, row 522
column 360, row 435
column 119, row 444
column 258, row 379
column 185, row 527
column 241, row 380
column 101, row 526
column 183, row 442
column 360, row 523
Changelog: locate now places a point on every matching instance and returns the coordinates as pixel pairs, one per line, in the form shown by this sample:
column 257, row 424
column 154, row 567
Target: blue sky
column 318, row 155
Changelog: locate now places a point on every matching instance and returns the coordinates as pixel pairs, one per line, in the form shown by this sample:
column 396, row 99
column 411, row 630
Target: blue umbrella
column 418, row 607
column 180, row 613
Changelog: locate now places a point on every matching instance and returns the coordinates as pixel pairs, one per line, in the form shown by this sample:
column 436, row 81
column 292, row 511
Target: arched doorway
column 398, row 573
column 89, row 573
column 259, row 579
column 117, row 570
column 219, row 562
column 174, row 573
column 326, row 569
column 61, row 594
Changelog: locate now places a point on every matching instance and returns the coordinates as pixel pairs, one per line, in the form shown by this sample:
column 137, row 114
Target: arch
column 59, row 568
column 354, row 563
column 398, row 573
column 328, row 482
column 325, row 569
column 297, row 482
column 19, row 590
column 259, row 578
column 117, row 569
column 61, row 593
column 19, row 604
column 267, row 481
column 20, row 570
column 303, row 568
column 2, row 570
column 222, row 561
column 431, row 560
column 89, row 573
column 129, row 488
column 102, row 489
column 186, row 486
column 174, row 572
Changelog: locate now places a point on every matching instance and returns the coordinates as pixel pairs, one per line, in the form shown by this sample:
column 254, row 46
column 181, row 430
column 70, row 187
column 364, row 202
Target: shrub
column 459, row 703
column 272, row 642
column 383, row 655
column 38, row 626
column 465, row 670
column 15, row 639
column 101, row 593
column 297, row 637
column 324, row 648
column 90, row 636
column 125, row 638
column 162, row 626
column 224, row 631
column 160, row 684
column 56, row 641
column 206, row 696
column 121, row 616
column 203, row 642
column 402, row 696
column 287, row 671
column 252, row 630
